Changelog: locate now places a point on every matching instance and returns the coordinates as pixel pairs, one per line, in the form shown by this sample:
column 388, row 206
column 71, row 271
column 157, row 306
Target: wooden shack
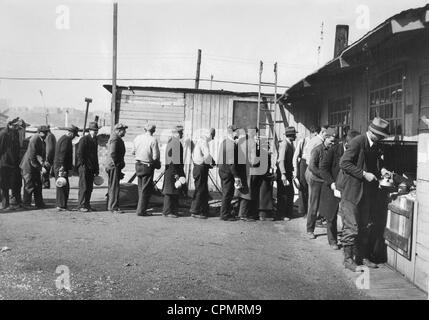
column 194, row 109
column 386, row 74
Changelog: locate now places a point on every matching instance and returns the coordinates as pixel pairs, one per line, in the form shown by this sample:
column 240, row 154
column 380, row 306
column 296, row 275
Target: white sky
column 160, row 38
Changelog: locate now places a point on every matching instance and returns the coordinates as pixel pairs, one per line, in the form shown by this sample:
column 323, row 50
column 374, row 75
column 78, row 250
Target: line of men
column 336, row 178
column 342, row 178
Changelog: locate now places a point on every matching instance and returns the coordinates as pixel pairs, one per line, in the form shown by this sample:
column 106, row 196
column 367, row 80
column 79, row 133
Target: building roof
column 394, row 27
column 186, row 90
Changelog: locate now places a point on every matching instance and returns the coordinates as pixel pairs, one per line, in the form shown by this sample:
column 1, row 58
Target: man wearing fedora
column 174, row 169
column 361, row 166
column 285, row 191
column 115, row 163
column 147, row 156
column 10, row 173
column 63, row 163
column 87, row 163
column 32, row 165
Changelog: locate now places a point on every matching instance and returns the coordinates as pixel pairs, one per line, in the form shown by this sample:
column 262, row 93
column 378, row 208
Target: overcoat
column 329, row 168
column 34, row 157
column 350, row 180
column 173, row 166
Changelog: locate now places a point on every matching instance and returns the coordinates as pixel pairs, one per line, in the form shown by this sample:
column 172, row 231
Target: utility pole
column 114, row 71
column 197, row 77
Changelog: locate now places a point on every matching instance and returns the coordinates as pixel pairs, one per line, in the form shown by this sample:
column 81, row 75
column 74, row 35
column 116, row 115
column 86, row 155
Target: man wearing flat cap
column 32, row 165
column 115, row 163
column 63, row 163
column 361, row 165
column 147, row 156
column 174, row 170
column 229, row 172
column 87, row 163
column 10, row 173
column 315, row 181
column 285, row 191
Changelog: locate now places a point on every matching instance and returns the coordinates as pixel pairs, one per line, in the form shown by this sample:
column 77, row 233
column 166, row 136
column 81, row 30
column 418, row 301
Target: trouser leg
column 145, row 185
column 16, row 185
column 332, row 230
column 304, row 187
column 350, row 226
column 313, row 204
column 227, row 196
column 199, row 193
column 82, row 187
column 113, row 193
column 38, row 197
column 62, row 194
column 171, row 204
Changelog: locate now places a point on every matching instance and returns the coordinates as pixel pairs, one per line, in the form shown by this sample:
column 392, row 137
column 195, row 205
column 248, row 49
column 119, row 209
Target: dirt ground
column 130, row 257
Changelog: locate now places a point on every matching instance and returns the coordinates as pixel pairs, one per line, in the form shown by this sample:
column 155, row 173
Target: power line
column 129, row 79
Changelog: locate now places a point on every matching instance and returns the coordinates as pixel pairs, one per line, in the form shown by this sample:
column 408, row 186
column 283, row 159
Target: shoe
column 334, row 246
column 91, row 209
column 118, row 211
column 249, row 219
column 201, row 216
column 286, row 219
column 172, row 215
column 369, row 264
column 147, row 214
column 230, row 218
column 27, row 206
column 61, row 209
column 83, row 210
column 310, row 235
column 193, row 215
column 351, row 265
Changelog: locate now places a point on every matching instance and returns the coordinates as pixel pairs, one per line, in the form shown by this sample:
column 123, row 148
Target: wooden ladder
column 270, row 108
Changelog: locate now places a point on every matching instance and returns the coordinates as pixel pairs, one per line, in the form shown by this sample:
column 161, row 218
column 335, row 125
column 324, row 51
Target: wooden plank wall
column 205, row 111
column 164, row 109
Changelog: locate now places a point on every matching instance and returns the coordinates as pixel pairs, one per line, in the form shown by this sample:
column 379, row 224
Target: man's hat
column 43, row 128
column 232, row 127
column 120, row 126
column 177, row 129
column 290, row 132
column 380, row 127
column 73, row 129
column 331, row 132
column 150, row 127
column 93, row 126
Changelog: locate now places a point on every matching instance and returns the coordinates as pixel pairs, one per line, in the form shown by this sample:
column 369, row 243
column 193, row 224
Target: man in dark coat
column 174, row 174
column 10, row 173
column 251, row 180
column 87, row 163
column 203, row 162
column 329, row 169
column 63, row 163
column 32, row 165
column 361, row 166
column 315, row 181
column 115, row 163
column 285, row 191
column 228, row 172
column 147, row 156
column 50, row 142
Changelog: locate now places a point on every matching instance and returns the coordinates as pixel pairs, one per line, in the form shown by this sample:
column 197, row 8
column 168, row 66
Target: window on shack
column 339, row 111
column 385, row 99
